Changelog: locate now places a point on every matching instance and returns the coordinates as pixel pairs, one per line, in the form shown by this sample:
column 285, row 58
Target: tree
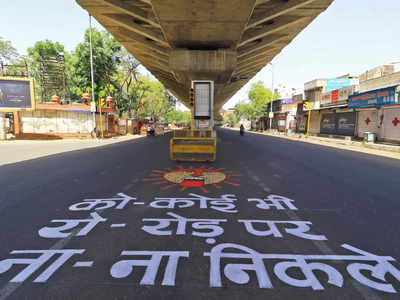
column 106, row 58
column 130, row 86
column 259, row 97
column 8, row 53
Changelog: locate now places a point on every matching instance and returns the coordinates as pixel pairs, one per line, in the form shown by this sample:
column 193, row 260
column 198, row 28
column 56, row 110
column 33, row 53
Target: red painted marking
column 395, row 122
column 367, row 120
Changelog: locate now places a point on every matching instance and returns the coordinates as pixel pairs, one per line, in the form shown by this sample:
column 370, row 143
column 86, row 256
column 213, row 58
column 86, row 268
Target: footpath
column 391, row 151
column 20, row 150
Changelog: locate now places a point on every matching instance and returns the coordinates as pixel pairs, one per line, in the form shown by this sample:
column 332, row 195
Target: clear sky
column 350, row 37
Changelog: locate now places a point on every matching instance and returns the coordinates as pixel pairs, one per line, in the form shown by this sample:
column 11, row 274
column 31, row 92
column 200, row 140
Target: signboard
column 315, row 105
column 287, row 101
column 204, row 124
column 16, row 94
column 203, row 96
column 93, row 106
column 335, row 96
column 386, row 96
column 271, row 115
column 326, row 99
column 336, row 84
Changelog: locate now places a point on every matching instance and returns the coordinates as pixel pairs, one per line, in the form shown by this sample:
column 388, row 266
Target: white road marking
column 11, row 287
column 83, row 264
column 117, row 225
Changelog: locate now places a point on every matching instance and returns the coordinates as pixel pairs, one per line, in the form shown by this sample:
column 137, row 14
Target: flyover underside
column 227, row 41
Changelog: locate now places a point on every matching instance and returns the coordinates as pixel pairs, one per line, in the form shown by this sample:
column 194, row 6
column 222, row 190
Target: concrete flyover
column 227, row 41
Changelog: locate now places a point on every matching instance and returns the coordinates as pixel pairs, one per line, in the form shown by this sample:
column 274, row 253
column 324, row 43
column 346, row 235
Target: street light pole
column 272, row 98
column 91, row 70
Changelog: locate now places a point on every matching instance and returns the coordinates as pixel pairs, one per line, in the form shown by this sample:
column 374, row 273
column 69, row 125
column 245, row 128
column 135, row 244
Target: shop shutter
column 367, row 122
column 391, row 124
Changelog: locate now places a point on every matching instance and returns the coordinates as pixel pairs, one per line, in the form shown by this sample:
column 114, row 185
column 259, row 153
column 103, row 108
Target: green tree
column 106, row 59
column 130, row 86
column 259, row 97
column 8, row 53
column 156, row 100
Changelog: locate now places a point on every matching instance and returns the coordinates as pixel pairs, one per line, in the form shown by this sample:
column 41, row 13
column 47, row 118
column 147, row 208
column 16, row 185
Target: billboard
column 16, row 94
column 336, row 84
column 386, row 96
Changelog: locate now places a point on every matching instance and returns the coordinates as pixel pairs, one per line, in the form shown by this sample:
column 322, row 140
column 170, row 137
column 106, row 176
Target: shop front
column 338, row 122
column 378, row 112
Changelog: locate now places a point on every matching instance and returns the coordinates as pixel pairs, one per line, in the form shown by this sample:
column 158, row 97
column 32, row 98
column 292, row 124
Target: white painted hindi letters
column 59, row 232
column 271, row 228
column 101, row 204
column 34, row 264
column 281, row 268
column 212, row 226
column 276, row 201
column 124, row 268
column 223, row 204
column 237, row 272
column 378, row 271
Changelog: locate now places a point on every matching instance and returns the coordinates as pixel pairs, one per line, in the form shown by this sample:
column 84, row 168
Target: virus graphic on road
column 202, row 178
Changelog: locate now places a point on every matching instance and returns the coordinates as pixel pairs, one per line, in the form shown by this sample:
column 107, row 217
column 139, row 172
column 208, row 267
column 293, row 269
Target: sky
column 351, row 36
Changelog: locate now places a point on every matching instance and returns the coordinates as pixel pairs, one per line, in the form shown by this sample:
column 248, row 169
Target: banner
column 386, row 96
column 16, row 93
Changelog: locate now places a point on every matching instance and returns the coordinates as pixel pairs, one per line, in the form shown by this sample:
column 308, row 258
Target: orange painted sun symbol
column 193, row 178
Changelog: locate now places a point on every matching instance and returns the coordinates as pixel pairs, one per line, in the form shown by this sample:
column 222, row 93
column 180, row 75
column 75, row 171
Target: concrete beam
column 282, row 7
column 258, row 53
column 278, row 25
column 129, row 9
column 126, row 36
column 127, row 22
column 266, row 42
column 255, row 59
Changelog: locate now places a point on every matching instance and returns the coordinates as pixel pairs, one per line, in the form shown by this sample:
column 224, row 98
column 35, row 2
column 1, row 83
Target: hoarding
column 386, row 96
column 16, row 94
column 203, row 94
column 336, row 84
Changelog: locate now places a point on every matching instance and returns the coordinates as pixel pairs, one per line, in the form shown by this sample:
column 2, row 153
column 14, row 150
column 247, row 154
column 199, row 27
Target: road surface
column 270, row 219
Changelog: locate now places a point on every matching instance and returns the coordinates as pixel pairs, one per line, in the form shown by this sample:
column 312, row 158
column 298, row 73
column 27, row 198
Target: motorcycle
column 242, row 131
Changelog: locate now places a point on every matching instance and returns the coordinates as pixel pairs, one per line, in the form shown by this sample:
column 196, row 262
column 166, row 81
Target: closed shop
column 315, row 122
column 338, row 123
column 367, row 122
column 328, row 123
column 345, row 123
column 391, row 124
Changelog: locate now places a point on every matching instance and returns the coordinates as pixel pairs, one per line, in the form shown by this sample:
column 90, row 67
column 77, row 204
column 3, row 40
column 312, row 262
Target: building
column 324, row 98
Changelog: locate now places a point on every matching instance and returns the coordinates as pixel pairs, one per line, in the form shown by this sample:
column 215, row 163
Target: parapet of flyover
column 227, row 41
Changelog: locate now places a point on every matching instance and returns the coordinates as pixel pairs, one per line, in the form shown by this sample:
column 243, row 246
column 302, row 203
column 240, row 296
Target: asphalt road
column 349, row 197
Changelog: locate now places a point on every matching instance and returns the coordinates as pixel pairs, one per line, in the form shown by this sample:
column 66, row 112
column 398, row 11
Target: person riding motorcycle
column 241, row 129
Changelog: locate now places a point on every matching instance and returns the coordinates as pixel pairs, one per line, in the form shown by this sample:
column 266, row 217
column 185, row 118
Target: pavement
column 13, row 151
column 271, row 218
